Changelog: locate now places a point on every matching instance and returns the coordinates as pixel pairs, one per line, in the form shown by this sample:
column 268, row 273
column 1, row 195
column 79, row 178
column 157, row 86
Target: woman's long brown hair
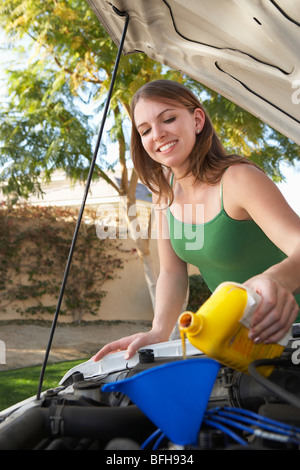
column 208, row 159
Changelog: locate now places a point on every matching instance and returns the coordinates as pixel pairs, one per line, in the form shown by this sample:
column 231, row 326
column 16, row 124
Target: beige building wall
column 127, row 297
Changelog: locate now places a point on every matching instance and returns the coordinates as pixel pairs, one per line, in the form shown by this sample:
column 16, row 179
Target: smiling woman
column 248, row 232
column 204, row 150
column 169, row 133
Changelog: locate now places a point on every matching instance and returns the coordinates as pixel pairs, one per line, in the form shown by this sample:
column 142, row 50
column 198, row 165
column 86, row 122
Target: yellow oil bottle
column 220, row 328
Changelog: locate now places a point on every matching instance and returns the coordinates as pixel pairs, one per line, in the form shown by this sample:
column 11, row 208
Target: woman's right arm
column 171, row 289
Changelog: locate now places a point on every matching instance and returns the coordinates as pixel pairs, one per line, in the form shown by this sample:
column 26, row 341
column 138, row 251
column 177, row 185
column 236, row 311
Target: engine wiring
column 253, row 424
column 227, row 418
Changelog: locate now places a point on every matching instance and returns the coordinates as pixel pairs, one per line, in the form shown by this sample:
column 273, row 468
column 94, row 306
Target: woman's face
column 168, row 131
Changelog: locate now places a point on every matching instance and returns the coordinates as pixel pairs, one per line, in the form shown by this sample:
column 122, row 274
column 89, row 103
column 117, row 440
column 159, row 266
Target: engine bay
column 244, row 411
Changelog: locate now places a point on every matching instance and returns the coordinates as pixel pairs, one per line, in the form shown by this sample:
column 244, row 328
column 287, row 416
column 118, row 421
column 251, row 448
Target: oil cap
column 146, row 355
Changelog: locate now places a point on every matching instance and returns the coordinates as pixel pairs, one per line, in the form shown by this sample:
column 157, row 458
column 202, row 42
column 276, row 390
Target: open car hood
column 246, row 50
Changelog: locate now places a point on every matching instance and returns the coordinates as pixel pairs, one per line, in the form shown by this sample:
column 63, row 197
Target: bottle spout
column 189, row 323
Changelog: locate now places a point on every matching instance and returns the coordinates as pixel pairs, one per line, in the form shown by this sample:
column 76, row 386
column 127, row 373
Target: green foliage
column 39, row 133
column 56, row 93
column 34, row 247
column 198, row 292
column 244, row 134
column 71, row 60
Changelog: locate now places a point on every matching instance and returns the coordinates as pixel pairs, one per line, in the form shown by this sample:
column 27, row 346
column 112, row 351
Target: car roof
column 245, row 50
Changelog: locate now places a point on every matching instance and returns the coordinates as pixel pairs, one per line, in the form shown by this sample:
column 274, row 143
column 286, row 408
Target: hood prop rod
column 89, row 179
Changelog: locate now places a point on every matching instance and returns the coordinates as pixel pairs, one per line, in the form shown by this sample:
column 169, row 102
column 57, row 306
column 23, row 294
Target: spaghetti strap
column 221, row 194
column 221, row 191
column 171, row 184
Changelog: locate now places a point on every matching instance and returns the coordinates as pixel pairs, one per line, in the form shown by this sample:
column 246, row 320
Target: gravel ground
column 25, row 343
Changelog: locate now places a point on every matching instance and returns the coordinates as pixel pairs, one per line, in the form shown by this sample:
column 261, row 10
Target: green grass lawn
column 18, row 384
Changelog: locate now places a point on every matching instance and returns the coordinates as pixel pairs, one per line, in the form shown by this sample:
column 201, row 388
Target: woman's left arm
column 265, row 204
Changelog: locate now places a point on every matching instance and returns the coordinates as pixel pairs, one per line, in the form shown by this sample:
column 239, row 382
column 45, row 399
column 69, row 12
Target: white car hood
column 246, row 50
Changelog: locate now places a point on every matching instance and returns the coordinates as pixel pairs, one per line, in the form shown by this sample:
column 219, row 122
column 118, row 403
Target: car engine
column 244, row 411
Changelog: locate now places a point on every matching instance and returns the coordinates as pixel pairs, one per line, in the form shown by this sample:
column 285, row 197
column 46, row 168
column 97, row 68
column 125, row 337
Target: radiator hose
column 25, row 431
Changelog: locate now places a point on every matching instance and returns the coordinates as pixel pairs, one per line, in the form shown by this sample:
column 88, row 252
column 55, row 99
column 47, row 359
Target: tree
column 34, row 245
column 44, row 124
column 244, row 134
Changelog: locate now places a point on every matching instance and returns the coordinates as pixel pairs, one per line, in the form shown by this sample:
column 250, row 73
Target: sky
column 291, row 187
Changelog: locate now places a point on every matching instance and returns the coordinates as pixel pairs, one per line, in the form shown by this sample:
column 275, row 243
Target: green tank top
column 224, row 249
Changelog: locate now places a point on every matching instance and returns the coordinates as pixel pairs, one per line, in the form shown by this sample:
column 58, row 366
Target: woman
column 243, row 229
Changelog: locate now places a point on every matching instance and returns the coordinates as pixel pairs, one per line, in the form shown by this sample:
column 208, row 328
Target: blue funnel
column 173, row 396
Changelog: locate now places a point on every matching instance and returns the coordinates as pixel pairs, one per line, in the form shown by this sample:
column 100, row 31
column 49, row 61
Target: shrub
column 199, row 292
column 34, row 248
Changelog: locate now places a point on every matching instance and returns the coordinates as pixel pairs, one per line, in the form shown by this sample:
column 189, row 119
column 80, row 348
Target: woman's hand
column 276, row 312
column 131, row 344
